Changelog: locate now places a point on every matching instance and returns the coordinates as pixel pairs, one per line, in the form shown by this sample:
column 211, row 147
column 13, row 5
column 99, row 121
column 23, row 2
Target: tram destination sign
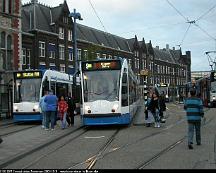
column 101, row 65
column 26, row 75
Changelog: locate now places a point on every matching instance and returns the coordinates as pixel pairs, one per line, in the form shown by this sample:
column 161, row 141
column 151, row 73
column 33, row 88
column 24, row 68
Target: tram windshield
column 101, row 85
column 27, row 90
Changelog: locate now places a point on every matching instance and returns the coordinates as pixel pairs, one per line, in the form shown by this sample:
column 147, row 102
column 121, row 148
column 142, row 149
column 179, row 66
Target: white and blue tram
column 29, row 87
column 110, row 92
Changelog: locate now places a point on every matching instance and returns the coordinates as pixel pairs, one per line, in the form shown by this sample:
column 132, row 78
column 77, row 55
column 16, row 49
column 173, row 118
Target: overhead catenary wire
column 185, row 34
column 194, row 21
column 205, row 13
column 98, row 16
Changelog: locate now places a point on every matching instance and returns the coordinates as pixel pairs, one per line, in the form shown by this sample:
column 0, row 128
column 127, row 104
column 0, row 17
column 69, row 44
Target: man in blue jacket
column 194, row 112
column 51, row 107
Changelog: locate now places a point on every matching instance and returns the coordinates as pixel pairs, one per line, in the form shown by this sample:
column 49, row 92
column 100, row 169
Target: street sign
column 144, row 72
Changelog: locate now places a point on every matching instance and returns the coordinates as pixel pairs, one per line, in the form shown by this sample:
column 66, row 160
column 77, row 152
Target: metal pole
column 75, row 43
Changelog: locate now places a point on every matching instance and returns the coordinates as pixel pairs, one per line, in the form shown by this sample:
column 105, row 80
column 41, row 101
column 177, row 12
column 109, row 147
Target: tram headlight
column 115, row 107
column 36, row 107
column 16, row 108
column 213, row 98
column 87, row 109
column 166, row 96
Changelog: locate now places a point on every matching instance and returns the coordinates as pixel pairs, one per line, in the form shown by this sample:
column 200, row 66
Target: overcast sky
column 161, row 21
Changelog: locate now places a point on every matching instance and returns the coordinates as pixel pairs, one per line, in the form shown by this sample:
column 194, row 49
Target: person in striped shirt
column 194, row 111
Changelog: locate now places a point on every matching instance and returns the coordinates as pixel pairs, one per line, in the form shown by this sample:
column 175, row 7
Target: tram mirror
column 45, row 84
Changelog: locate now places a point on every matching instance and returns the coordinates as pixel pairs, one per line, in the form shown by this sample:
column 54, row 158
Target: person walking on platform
column 62, row 111
column 71, row 109
column 42, row 105
column 194, row 111
column 162, row 107
column 149, row 119
column 51, row 101
column 154, row 108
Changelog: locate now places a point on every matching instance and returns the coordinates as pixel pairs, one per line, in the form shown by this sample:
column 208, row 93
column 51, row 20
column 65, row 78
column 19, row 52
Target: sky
column 161, row 21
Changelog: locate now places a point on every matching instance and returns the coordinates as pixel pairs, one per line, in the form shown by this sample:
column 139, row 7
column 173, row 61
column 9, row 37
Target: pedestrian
column 194, row 111
column 162, row 107
column 62, row 111
column 71, row 109
column 42, row 105
column 51, row 101
column 149, row 118
column 154, row 108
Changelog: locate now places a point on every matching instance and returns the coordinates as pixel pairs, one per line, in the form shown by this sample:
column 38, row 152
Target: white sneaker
column 43, row 127
column 158, row 125
column 155, row 125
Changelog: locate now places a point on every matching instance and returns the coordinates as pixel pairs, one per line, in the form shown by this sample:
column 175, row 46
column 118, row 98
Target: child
column 62, row 110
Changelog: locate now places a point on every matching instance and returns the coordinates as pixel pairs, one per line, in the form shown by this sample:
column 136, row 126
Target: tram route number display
column 22, row 75
column 109, row 65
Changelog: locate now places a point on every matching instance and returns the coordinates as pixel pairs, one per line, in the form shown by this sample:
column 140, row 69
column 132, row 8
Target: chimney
column 157, row 47
column 167, row 46
column 173, row 48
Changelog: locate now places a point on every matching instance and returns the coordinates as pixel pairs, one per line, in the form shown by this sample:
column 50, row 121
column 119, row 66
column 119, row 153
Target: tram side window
column 124, row 90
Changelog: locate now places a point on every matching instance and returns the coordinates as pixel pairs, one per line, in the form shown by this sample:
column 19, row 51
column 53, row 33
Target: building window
column 79, row 54
column 61, row 52
column 52, row 50
column 28, row 57
column 24, row 56
column 62, row 67
column 69, row 35
column 104, row 56
column 97, row 55
column 65, row 20
column 61, row 33
column 85, row 55
column 3, row 37
column 138, row 64
column 70, row 54
column 110, row 56
column 41, row 49
column 7, row 6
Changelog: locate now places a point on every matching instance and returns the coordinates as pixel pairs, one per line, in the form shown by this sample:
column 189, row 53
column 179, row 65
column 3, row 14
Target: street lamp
column 75, row 16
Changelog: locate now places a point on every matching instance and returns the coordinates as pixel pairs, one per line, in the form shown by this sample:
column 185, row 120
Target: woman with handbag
column 62, row 111
column 149, row 119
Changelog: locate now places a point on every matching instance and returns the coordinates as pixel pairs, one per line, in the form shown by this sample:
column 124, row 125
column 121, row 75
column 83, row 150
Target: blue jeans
column 44, row 118
column 156, row 116
column 191, row 127
column 63, row 121
column 50, row 116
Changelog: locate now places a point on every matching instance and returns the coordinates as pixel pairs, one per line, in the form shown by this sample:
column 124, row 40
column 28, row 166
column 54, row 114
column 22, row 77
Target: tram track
column 92, row 160
column 44, row 145
column 167, row 149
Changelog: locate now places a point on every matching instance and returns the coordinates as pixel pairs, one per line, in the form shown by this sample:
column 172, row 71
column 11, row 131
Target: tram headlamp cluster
column 213, row 98
column 35, row 108
column 88, row 109
column 167, row 96
column 16, row 108
column 115, row 107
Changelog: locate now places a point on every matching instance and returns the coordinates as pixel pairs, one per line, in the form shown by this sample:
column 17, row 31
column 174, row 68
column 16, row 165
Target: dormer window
column 65, row 20
column 61, row 33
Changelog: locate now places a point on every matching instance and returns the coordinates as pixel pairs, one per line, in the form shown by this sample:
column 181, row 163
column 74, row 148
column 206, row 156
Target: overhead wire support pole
column 75, row 16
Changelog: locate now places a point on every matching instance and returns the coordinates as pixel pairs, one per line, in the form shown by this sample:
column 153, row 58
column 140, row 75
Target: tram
column 110, row 92
column 29, row 87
